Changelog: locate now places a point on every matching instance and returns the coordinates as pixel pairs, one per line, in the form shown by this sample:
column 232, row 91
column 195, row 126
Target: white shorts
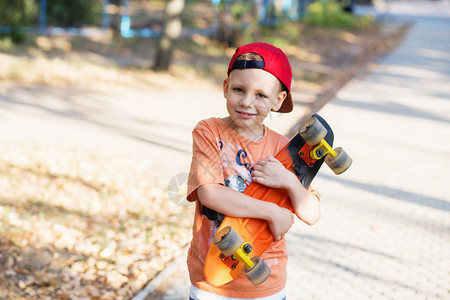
column 198, row 294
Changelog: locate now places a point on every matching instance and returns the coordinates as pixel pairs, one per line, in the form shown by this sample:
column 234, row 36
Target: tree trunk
column 229, row 31
column 116, row 17
column 171, row 32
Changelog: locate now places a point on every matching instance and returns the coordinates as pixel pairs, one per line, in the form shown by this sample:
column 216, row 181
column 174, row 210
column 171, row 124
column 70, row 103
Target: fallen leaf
column 22, row 285
column 115, row 279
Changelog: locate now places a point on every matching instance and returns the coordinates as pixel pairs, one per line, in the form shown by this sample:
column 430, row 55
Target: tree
column 172, row 31
column 232, row 19
column 75, row 13
column 115, row 20
column 16, row 14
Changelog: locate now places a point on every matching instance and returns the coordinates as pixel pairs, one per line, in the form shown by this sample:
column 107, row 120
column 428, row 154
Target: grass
column 328, row 13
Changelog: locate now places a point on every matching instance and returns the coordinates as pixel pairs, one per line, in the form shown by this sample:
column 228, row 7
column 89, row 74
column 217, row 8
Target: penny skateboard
column 239, row 242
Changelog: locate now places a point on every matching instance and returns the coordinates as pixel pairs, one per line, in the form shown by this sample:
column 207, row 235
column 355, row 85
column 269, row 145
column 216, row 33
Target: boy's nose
column 247, row 101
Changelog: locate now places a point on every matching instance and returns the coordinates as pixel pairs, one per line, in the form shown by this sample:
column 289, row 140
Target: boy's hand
column 270, row 172
column 281, row 222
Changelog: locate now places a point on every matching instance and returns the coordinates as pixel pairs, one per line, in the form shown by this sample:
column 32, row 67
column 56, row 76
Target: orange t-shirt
column 222, row 156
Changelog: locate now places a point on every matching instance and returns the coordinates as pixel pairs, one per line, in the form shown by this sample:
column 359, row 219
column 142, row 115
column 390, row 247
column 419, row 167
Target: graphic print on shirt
column 237, row 169
column 236, row 182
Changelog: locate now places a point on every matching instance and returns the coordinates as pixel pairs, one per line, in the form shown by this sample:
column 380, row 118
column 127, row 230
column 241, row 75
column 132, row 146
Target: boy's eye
column 261, row 96
column 238, row 90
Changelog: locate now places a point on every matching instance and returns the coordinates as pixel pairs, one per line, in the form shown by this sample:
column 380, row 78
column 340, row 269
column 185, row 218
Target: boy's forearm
column 233, row 203
column 306, row 204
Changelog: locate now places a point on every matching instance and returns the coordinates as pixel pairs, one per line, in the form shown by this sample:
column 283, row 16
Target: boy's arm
column 306, row 204
column 235, row 204
column 270, row 172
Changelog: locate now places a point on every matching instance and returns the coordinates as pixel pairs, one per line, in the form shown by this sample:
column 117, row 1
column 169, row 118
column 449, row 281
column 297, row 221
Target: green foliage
column 17, row 13
column 328, row 13
column 6, row 43
column 73, row 13
column 239, row 9
column 281, row 34
column 25, row 13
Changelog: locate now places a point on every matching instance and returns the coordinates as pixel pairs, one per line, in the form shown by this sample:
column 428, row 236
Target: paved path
column 121, row 119
column 384, row 232
column 156, row 123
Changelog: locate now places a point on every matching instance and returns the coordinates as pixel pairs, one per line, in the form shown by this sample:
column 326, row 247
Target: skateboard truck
column 314, row 133
column 242, row 255
column 321, row 150
column 232, row 246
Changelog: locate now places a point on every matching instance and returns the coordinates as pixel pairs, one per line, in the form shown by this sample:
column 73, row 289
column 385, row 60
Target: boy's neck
column 254, row 133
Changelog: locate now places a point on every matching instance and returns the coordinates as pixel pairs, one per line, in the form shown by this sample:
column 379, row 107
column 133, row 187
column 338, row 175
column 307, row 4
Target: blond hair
column 250, row 56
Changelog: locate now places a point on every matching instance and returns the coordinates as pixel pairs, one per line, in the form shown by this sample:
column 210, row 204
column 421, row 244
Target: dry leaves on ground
column 82, row 224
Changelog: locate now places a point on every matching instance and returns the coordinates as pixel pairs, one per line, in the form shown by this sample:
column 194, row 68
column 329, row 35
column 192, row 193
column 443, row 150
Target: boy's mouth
column 245, row 115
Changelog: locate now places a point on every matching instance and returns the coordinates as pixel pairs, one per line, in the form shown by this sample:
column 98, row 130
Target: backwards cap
column 274, row 61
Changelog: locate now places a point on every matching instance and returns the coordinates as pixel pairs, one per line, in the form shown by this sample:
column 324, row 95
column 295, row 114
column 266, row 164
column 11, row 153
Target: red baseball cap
column 274, row 61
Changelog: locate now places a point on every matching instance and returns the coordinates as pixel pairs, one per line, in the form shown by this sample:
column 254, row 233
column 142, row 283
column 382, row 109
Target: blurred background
column 154, row 34
column 97, row 103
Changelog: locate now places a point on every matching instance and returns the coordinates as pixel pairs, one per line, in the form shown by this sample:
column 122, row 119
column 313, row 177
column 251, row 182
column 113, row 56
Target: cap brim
column 287, row 105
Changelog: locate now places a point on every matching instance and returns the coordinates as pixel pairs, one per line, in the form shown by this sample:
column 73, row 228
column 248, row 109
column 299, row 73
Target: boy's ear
column 280, row 98
column 225, row 87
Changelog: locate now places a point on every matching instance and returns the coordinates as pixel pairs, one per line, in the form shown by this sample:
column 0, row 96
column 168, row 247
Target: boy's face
column 251, row 94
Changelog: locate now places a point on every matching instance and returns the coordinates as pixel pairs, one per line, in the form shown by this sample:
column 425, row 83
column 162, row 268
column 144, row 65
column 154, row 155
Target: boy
column 231, row 152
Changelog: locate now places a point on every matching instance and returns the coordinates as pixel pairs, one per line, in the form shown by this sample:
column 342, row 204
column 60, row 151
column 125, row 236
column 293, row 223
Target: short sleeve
column 206, row 165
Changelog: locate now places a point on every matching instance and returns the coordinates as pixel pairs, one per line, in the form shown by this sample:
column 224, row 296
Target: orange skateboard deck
column 220, row 269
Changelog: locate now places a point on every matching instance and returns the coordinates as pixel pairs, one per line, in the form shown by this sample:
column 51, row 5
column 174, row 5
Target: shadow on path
column 89, row 107
column 392, row 193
